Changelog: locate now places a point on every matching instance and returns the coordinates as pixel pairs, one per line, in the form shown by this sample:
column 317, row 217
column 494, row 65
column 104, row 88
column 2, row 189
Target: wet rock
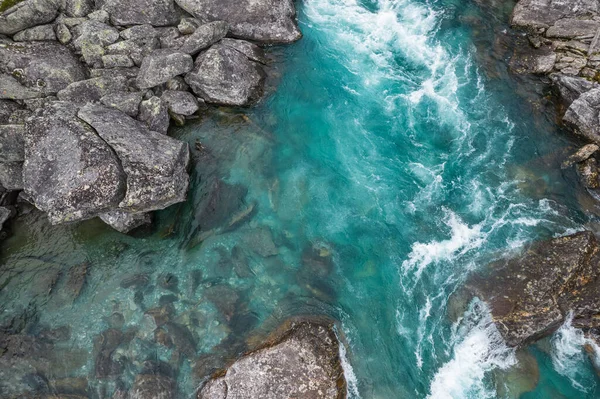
column 218, row 200
column 139, row 12
column 37, row 33
column 580, row 155
column 76, row 278
column 167, row 299
column 302, row 362
column 23, row 346
column 106, row 343
column 162, row 337
column 317, row 260
column 542, row 14
column 223, row 75
column 261, row 241
column 224, row 298
column 5, row 214
column 537, row 61
column 571, row 87
column 93, row 89
column 203, row 37
column 180, row 102
column 530, row 295
column 69, row 172
column 116, row 320
column 155, row 165
column 162, row 65
column 168, row 281
column 45, row 67
column 582, row 115
column 127, row 102
column 135, row 281
column 162, row 314
column 124, row 222
column 60, row 334
column 153, row 386
column 27, row 14
column 269, row 21
column 154, row 113
column 11, row 143
column 182, row 339
column 140, row 33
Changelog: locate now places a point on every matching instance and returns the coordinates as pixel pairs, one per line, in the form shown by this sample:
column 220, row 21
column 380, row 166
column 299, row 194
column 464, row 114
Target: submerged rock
column 224, row 75
column 124, row 222
column 580, row 155
column 155, row 165
column 530, row 295
column 153, row 386
column 69, row 172
column 302, row 362
column 269, row 21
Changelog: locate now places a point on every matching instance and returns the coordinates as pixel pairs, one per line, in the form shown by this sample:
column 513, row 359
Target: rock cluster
column 88, row 90
column 531, row 295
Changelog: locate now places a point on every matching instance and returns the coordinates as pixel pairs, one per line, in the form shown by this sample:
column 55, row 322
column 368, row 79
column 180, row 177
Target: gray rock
column 46, row 67
column 580, row 155
column 69, row 172
column 19, row 116
column 203, row 37
column 543, row 13
column 303, row 362
column 78, row 8
column 115, row 73
column 170, row 38
column 63, row 34
column 223, row 75
column 155, row 165
column 138, row 12
column 127, row 102
column 180, row 102
column 269, row 21
column 11, row 175
column 162, row 65
column 569, row 28
column 124, row 222
column 583, row 115
column 154, row 113
column 187, row 26
column 140, row 32
column 99, row 15
column 250, row 50
column 152, row 386
column 571, row 87
column 27, row 14
column 530, row 295
column 35, row 103
column 94, row 32
column 11, row 143
column 589, row 173
column 13, row 90
column 117, row 61
column 135, row 49
column 7, row 107
column 92, row 89
column 176, row 83
column 5, row 214
column 37, row 33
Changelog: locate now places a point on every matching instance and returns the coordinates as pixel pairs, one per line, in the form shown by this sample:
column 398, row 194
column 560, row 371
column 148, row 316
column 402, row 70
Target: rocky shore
column 89, row 90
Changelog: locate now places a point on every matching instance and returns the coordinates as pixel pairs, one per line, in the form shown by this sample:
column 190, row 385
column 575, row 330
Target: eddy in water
column 354, row 218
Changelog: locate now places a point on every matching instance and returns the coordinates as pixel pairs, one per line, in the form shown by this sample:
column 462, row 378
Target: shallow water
column 392, row 156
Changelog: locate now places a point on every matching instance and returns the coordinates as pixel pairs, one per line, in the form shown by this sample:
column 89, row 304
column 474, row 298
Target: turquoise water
column 392, row 155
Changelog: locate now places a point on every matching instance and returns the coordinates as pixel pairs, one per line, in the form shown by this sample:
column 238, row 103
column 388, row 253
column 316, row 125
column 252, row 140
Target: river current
column 394, row 151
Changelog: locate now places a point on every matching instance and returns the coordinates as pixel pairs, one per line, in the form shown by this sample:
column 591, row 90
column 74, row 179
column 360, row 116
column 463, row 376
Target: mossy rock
column 6, row 4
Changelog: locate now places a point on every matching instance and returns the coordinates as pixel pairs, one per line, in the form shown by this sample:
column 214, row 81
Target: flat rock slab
column 301, row 363
column 162, row 65
column 267, row 21
column 155, row 165
column 583, row 115
column 139, row 12
column 569, row 28
column 69, row 172
column 543, row 13
column 530, row 295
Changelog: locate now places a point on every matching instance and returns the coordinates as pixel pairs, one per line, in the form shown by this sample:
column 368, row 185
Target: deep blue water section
column 392, row 155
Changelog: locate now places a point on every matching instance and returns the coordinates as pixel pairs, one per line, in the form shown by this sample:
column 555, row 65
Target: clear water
column 392, row 156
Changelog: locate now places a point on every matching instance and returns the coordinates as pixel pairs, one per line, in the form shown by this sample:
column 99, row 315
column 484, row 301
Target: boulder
column 124, row 222
column 571, row 87
column 268, row 21
column 92, row 89
column 527, row 60
column 128, row 102
column 11, row 175
column 152, row 386
column 117, row 61
column 37, row 33
column 92, row 32
column 137, row 50
column 203, row 37
column 250, row 50
column 11, row 143
column 155, row 165
column 301, row 362
column 569, row 28
column 139, row 12
column 69, row 172
column 140, row 32
column 580, row 155
column 45, row 67
column 223, row 75
column 589, row 173
column 180, row 102
column 154, row 113
column 78, row 8
column 7, row 108
column 583, row 115
column 27, row 14
column 162, row 65
column 5, row 214
column 531, row 295
column 544, row 13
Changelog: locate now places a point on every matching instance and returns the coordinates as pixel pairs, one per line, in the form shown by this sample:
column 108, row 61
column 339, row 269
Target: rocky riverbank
column 89, row 90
